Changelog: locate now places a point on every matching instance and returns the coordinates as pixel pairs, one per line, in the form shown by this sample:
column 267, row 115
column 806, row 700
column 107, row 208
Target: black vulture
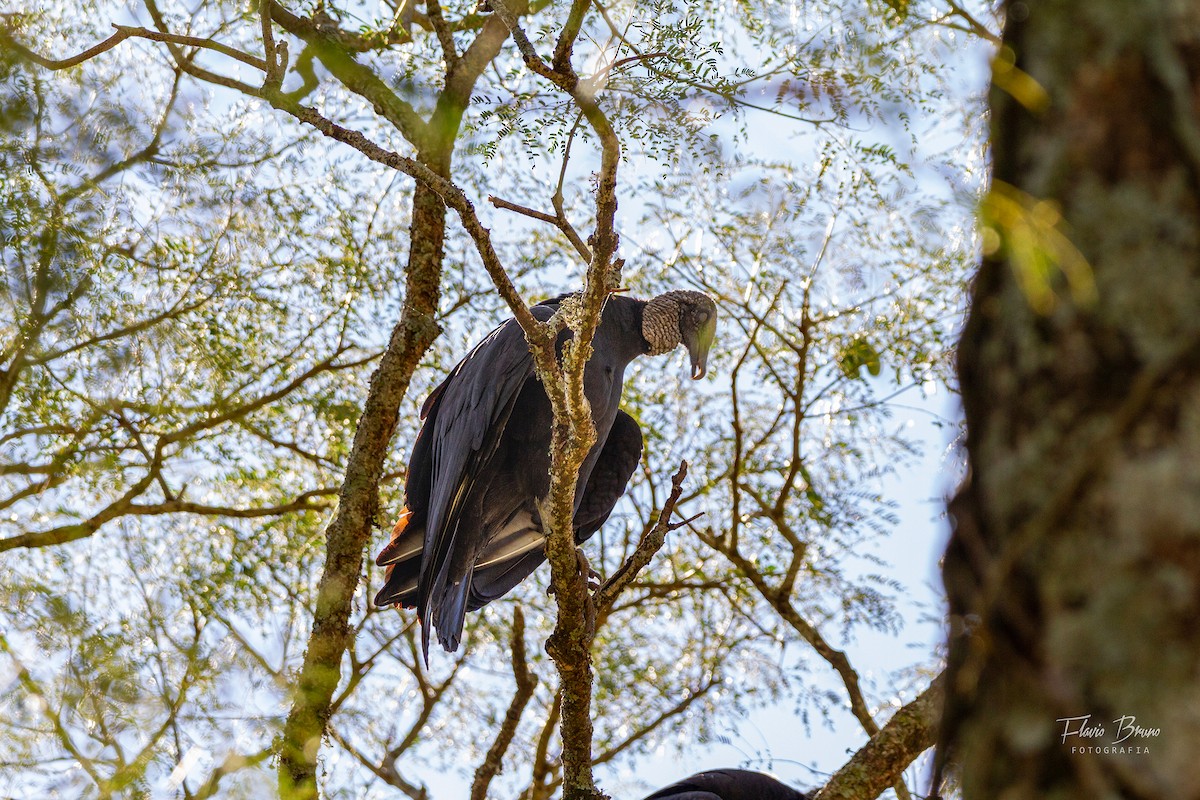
column 728, row 784
column 470, row 530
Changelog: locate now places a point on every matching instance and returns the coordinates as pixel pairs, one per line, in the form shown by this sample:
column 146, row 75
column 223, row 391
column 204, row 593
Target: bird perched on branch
column 470, row 530
column 728, row 784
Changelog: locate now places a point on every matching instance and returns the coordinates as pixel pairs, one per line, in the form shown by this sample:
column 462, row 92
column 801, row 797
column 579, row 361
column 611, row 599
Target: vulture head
column 681, row 317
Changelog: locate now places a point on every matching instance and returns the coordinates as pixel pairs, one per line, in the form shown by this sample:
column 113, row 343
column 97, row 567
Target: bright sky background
column 776, row 740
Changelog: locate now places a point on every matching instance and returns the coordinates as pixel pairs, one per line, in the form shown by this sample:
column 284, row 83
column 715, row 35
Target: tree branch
column 573, row 432
column 333, row 48
column 881, row 762
column 564, row 48
column 65, row 63
column 194, row 41
column 557, row 220
column 526, row 683
column 445, row 37
column 233, row 763
column 649, row 545
column 349, row 532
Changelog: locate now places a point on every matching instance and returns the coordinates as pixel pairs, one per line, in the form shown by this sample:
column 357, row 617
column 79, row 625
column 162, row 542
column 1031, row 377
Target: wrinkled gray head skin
column 681, row 317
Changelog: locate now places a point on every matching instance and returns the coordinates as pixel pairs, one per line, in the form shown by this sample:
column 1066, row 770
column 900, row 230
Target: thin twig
column 557, row 198
column 557, row 220
column 650, row 544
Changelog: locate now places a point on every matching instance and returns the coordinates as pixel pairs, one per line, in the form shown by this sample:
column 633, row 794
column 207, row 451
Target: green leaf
column 858, row 354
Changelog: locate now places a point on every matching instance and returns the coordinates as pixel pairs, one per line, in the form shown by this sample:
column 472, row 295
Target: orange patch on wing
column 401, row 524
column 397, row 531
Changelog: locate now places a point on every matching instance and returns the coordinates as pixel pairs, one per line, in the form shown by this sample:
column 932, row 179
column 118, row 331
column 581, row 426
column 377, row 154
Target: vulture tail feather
column 402, row 557
column 451, row 612
column 401, row 546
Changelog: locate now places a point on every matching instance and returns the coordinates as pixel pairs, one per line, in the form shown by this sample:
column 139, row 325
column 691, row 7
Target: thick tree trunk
column 350, row 530
column 1074, row 570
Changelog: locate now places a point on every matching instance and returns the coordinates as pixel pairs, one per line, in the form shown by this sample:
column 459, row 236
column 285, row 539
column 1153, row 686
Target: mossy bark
column 1074, row 570
column 881, row 762
column 350, row 530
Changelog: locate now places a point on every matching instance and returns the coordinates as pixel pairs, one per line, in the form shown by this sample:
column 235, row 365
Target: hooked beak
column 698, row 343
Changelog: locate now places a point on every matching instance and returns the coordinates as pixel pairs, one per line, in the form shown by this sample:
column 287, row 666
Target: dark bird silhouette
column 470, row 530
column 728, row 784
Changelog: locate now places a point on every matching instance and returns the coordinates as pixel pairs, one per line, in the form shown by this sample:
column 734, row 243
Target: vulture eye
column 702, row 316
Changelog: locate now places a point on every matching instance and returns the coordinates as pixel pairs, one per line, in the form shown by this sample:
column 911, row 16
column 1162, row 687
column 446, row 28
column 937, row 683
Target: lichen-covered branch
column 881, row 762
column 350, row 531
column 573, row 434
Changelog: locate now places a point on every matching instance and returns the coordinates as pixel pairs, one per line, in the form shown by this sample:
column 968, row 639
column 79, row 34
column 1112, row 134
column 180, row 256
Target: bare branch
column 65, row 63
column 445, row 37
column 124, row 32
column 783, row 606
column 81, row 530
column 973, row 25
column 386, row 773
column 449, row 193
column 566, row 38
column 557, row 220
column 233, row 763
column 528, row 51
column 526, row 683
column 194, row 41
column 125, row 503
column 557, row 199
column 30, row 685
column 542, row 779
column 303, row 502
column 649, row 545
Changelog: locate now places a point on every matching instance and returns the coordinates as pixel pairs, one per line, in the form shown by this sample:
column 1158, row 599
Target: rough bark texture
column 1074, row 570
column 882, row 760
column 350, row 530
column 573, row 432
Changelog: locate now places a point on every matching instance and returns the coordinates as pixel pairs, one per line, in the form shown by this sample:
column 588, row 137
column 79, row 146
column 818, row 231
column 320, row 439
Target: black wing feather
column 607, row 482
column 455, row 493
column 465, row 423
column 618, row 459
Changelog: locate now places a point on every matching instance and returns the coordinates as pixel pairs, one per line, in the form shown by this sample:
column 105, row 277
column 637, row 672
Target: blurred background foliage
column 195, row 291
